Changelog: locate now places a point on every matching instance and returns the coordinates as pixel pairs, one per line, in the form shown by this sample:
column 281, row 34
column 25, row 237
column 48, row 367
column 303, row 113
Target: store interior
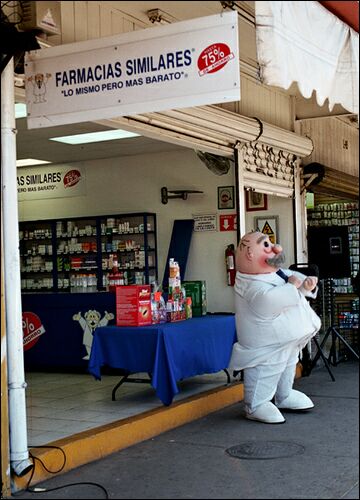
column 64, row 400
column 126, row 177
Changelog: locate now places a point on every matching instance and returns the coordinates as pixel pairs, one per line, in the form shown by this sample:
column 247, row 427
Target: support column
column 19, row 455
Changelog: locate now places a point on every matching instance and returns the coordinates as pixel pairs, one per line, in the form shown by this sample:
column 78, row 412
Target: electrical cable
column 261, row 128
column 45, row 490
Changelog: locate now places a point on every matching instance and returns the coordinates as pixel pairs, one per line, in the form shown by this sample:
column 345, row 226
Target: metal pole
column 240, row 195
column 19, row 455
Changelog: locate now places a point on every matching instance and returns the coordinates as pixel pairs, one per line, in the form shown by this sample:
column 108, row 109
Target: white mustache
column 277, row 260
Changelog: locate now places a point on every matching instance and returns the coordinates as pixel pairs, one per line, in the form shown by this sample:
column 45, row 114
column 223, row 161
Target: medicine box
column 133, row 305
column 197, row 291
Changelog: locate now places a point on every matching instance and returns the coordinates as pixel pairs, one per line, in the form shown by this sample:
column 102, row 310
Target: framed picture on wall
column 226, row 197
column 269, row 226
column 255, row 201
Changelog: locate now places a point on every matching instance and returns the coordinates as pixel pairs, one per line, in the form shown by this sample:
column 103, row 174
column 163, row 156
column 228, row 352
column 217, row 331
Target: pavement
column 314, row 454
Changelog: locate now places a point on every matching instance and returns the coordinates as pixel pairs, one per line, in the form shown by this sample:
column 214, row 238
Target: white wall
column 133, row 184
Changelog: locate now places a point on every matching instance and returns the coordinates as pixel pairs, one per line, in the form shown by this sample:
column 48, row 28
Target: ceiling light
column 30, row 161
column 108, row 135
column 20, row 110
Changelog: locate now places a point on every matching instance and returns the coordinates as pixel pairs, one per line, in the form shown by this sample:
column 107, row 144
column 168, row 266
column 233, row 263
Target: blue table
column 169, row 351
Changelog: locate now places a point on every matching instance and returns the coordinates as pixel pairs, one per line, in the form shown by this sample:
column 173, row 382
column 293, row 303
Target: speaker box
column 328, row 248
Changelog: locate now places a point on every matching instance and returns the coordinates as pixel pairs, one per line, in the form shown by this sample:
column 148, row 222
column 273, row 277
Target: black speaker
column 328, row 248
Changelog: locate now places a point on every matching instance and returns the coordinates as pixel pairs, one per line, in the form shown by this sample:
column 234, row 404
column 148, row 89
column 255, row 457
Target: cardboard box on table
column 133, row 305
column 197, row 291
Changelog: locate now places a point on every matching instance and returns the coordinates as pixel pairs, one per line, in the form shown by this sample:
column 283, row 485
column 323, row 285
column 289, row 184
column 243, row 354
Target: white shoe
column 267, row 413
column 296, row 401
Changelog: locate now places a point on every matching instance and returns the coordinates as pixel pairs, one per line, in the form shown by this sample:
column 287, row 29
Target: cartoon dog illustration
column 39, row 82
column 90, row 321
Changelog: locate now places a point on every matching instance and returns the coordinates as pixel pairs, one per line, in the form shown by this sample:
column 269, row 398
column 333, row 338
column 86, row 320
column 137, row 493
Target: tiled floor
column 62, row 404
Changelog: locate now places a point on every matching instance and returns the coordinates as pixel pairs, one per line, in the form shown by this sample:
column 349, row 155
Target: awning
column 305, row 43
column 318, row 178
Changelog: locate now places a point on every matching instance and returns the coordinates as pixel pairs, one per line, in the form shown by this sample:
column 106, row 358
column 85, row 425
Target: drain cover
column 265, row 450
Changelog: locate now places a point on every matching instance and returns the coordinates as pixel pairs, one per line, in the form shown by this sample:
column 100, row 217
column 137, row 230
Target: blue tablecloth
column 169, row 351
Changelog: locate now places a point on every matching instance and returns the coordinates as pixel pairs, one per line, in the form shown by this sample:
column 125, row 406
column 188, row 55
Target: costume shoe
column 296, row 400
column 267, row 413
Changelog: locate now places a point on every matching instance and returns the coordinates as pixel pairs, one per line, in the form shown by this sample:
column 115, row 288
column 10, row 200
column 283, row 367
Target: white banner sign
column 190, row 63
column 35, row 183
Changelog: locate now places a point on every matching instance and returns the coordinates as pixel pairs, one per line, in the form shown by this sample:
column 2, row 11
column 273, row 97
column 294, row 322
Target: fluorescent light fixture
column 107, row 135
column 20, row 110
column 30, row 161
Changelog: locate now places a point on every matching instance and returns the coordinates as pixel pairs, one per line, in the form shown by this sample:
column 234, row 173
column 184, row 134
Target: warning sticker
column 269, row 226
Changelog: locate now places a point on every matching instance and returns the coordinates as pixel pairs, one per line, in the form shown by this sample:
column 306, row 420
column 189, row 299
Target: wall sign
column 228, row 222
column 205, row 222
column 189, row 63
column 269, row 226
column 35, row 183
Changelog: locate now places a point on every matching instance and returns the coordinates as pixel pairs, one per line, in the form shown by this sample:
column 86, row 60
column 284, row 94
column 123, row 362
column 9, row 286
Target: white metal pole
column 300, row 217
column 241, row 193
column 19, row 455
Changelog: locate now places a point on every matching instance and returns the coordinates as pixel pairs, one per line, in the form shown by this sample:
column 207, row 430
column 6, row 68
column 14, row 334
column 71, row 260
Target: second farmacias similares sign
column 190, row 63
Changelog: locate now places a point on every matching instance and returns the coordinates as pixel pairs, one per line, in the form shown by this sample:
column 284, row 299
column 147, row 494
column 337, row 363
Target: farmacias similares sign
column 190, row 63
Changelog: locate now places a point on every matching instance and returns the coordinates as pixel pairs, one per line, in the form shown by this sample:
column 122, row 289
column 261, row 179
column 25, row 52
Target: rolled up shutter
column 269, row 153
column 268, row 169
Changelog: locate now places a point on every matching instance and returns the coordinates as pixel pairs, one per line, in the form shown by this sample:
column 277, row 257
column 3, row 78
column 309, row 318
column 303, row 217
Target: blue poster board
column 179, row 247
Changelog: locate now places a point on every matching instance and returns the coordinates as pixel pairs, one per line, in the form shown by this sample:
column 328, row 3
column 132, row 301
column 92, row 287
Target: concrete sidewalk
column 311, row 455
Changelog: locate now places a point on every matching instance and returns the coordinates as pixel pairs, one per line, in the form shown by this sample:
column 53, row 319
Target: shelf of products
column 87, row 254
column 341, row 311
column 340, row 214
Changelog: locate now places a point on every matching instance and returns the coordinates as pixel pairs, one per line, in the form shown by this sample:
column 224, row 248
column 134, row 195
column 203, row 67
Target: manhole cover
column 265, row 450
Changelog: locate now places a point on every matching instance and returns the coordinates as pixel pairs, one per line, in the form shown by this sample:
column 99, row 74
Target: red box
column 133, row 305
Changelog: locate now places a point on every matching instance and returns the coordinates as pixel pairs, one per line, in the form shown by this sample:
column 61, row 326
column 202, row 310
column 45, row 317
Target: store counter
column 57, row 327
column 168, row 352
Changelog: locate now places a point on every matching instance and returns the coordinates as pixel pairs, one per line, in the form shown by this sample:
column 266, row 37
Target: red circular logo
column 32, row 329
column 71, row 178
column 214, row 58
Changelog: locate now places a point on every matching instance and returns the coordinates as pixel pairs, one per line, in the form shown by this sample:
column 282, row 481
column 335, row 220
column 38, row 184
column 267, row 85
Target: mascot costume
column 274, row 321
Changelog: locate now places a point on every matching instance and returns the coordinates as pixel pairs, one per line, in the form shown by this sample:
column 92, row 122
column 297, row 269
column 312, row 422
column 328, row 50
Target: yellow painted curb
column 101, row 441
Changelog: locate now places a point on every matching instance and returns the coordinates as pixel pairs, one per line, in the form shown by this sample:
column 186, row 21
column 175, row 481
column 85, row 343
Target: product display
column 175, row 306
column 140, row 305
column 133, row 305
column 197, row 291
column 88, row 254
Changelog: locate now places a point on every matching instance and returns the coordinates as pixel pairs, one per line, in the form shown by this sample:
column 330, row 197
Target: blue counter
column 63, row 324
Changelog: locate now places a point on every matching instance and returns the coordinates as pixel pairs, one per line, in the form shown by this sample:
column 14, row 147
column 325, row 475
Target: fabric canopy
column 303, row 42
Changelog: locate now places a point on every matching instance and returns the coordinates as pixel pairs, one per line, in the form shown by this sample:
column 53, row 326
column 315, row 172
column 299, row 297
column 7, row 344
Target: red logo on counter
column 213, row 58
column 32, row 329
column 71, row 178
